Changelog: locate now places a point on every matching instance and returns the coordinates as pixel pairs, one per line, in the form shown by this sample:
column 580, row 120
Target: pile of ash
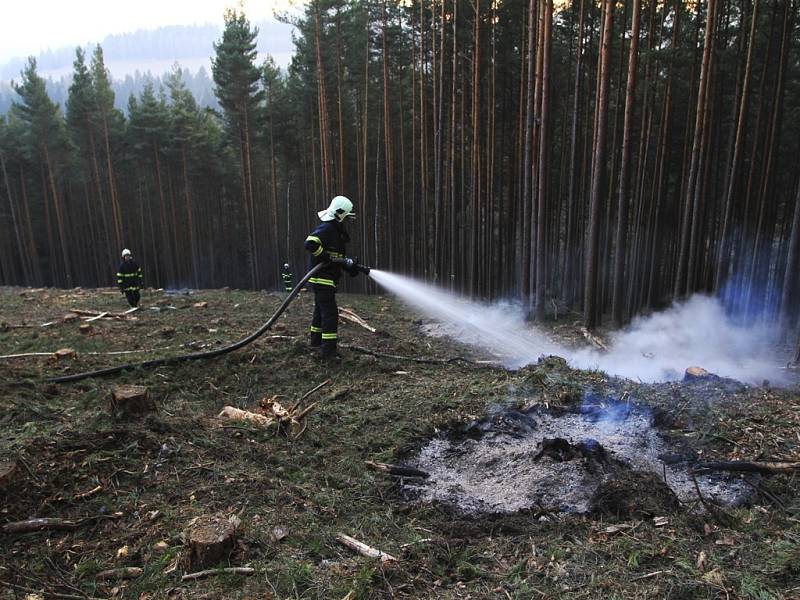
column 601, row 457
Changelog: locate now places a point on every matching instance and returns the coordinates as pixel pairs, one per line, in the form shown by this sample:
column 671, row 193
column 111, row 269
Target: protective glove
column 352, row 266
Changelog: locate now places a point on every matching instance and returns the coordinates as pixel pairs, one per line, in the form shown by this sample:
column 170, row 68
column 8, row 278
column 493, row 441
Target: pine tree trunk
column 683, row 275
column 544, row 158
column 736, row 161
column 617, row 306
column 598, row 171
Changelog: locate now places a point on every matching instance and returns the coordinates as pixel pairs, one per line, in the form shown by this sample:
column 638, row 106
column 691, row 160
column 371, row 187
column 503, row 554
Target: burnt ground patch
column 292, row 496
column 573, row 459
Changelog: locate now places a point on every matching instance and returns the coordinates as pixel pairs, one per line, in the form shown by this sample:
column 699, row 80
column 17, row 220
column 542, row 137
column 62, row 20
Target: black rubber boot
column 315, row 339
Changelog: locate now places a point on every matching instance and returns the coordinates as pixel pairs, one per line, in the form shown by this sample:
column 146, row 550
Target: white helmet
column 126, row 252
column 340, row 208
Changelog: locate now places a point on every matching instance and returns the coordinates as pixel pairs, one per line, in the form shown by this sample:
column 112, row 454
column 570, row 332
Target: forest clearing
column 126, row 491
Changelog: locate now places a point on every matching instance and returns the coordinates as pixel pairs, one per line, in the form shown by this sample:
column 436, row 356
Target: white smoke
column 660, row 346
column 654, row 348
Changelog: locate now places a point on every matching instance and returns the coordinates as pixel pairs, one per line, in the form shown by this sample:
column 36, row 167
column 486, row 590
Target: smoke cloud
column 653, row 348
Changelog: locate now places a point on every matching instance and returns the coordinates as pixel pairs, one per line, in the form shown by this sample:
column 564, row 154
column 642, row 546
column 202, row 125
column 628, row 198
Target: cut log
column 363, row 549
column 70, row 317
column 210, row 539
column 120, row 573
column 131, row 400
column 237, row 414
column 398, row 470
column 9, row 473
column 746, row 466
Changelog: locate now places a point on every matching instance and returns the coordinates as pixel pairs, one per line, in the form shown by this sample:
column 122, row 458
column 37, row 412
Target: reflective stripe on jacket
column 328, row 240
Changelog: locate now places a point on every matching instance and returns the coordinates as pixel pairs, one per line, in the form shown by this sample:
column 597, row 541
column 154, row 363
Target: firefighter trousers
column 325, row 322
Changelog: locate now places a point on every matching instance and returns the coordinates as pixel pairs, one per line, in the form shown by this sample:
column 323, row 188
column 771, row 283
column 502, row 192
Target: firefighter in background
column 328, row 241
column 287, row 277
column 129, row 278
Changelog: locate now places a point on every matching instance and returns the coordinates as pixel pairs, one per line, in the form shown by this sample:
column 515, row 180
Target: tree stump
column 9, row 473
column 85, row 328
column 130, row 400
column 210, row 539
column 697, row 374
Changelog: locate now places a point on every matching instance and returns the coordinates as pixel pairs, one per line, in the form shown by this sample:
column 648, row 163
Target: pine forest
column 607, row 157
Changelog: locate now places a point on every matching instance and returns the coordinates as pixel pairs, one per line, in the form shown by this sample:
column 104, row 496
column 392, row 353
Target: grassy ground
column 293, row 496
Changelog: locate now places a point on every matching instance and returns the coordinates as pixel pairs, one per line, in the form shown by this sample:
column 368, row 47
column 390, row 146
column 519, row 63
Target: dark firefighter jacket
column 129, row 276
column 328, row 240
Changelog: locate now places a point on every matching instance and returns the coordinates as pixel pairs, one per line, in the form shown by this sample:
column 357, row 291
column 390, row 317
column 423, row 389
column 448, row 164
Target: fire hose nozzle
column 350, row 264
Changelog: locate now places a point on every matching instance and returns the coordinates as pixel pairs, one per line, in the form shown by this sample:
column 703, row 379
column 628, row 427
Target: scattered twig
column 50, row 524
column 112, row 353
column 308, row 393
column 40, row 525
column 47, row 593
column 719, row 515
column 766, row 493
column 94, row 318
column 90, row 493
column 26, row 355
column 363, row 549
column 223, row 571
column 653, row 574
column 746, row 466
column 120, row 573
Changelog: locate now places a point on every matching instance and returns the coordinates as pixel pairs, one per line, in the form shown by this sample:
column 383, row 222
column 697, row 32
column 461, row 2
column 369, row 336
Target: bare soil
column 133, row 487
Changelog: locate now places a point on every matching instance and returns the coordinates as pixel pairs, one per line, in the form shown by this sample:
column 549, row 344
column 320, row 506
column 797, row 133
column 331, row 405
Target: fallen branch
column 224, row 571
column 594, row 340
column 26, row 355
column 111, row 353
column 40, row 525
column 719, row 515
column 433, row 361
column 100, row 316
column 308, row 393
column 349, row 315
column 90, row 493
column 121, row 573
column 746, row 466
column 398, row 470
column 363, row 549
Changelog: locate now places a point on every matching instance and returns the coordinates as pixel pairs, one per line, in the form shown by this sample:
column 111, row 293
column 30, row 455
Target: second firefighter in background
column 329, row 240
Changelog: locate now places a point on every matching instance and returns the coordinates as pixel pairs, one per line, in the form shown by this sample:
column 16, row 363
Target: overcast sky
column 28, row 27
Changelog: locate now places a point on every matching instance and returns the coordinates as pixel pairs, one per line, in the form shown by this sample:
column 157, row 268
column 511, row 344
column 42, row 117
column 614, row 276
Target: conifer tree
column 45, row 143
column 237, row 88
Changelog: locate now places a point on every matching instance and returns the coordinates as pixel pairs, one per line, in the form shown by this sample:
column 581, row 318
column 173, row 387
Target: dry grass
column 293, row 495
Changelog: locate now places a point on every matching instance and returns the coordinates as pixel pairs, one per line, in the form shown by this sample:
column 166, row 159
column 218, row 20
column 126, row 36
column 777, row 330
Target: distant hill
column 146, row 55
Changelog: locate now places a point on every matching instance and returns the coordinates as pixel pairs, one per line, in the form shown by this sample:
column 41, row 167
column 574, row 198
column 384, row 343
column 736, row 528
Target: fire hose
column 169, row 360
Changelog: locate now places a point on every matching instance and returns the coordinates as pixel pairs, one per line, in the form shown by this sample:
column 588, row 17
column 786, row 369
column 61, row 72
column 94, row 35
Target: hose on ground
column 157, row 362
